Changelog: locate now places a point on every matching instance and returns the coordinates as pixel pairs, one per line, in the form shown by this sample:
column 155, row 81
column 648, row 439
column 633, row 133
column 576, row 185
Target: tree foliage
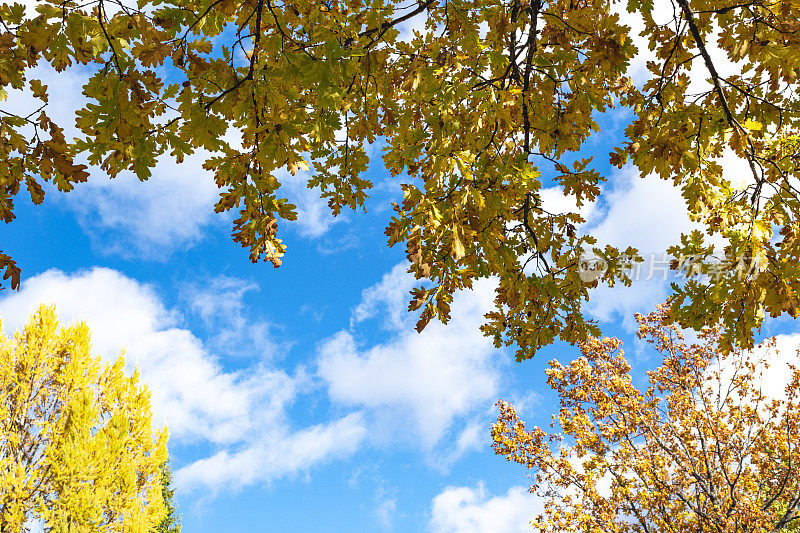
column 171, row 523
column 476, row 106
column 77, row 451
column 705, row 447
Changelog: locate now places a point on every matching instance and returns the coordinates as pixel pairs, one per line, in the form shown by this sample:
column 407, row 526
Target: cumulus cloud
column 775, row 378
column 662, row 13
column 649, row 214
column 150, row 219
column 65, row 95
column 240, row 414
column 125, row 216
column 421, row 386
column 611, row 304
column 279, row 454
column 472, row 435
column 410, row 28
column 555, row 201
column 466, row 510
column 190, row 391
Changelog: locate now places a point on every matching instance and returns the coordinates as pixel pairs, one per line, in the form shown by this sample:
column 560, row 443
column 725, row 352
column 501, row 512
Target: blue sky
column 301, row 398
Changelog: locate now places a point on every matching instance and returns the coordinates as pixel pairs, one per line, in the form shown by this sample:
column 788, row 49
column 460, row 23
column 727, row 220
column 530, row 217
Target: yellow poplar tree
column 703, row 448
column 77, row 448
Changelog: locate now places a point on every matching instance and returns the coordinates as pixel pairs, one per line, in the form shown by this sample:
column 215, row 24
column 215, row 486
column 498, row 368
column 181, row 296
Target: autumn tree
column 77, row 449
column 707, row 446
column 476, row 104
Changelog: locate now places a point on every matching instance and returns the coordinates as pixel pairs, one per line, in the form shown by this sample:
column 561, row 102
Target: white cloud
column 241, row 413
column 415, row 385
column 773, row 366
column 219, row 299
column 527, row 404
column 334, row 245
column 638, row 68
column 385, row 512
column 649, row 214
column 736, row 170
column 389, row 298
column 34, row 525
column 776, row 377
column 432, row 390
column 279, row 454
column 611, row 304
column 467, row 510
column 126, row 216
column 190, row 392
column 314, row 217
column 219, row 302
column 65, row 96
column 474, row 436
column 415, row 25
column 555, row 201
column 150, row 218
column 664, row 14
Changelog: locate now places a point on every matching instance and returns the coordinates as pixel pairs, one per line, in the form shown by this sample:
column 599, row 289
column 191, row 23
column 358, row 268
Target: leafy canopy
column 705, row 447
column 475, row 105
column 77, row 450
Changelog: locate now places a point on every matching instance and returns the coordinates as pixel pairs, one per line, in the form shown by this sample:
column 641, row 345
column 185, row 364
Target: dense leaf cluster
column 473, row 106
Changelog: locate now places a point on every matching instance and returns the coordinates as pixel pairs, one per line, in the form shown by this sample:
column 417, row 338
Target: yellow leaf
column 753, row 125
column 458, row 246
